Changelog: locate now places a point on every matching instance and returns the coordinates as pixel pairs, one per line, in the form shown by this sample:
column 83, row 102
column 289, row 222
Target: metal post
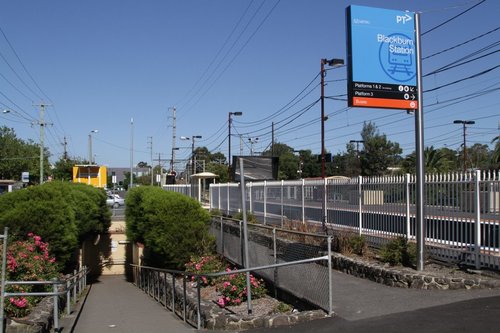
column 265, row 202
column 245, row 233
column 360, row 204
column 330, row 279
column 75, row 277
column 4, row 264
column 419, row 138
column 275, row 254
column 303, row 202
column 281, row 203
column 68, row 297
column 198, row 303
column 477, row 225
column 322, row 73
column 325, row 207
column 408, row 225
column 184, row 305
column 56, row 305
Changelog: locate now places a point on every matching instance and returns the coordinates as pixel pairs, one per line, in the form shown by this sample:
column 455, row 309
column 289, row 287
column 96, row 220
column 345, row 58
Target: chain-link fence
column 269, row 246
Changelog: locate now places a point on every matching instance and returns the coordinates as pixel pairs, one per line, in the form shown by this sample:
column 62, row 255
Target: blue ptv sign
column 382, row 68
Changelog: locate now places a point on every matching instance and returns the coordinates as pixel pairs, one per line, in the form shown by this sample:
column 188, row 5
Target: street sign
column 25, row 177
column 381, row 49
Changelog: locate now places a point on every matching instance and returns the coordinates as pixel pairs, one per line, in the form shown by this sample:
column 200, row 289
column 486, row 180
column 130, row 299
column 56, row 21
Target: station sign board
column 381, row 53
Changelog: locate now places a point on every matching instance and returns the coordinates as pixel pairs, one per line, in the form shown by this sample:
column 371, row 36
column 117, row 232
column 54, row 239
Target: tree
column 63, row 168
column 379, row 153
column 172, row 226
column 18, row 156
column 479, row 156
column 288, row 161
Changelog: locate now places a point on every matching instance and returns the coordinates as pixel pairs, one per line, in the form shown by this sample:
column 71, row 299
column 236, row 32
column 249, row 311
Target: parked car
column 115, row 201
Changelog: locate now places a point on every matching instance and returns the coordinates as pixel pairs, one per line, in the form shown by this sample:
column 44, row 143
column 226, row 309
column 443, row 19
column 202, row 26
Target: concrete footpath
column 115, row 305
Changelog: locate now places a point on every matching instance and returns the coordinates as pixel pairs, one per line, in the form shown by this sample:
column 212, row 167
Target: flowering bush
column 28, row 261
column 205, row 264
column 233, row 289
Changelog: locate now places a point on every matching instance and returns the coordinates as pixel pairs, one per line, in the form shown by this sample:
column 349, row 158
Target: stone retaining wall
column 38, row 321
column 407, row 278
column 216, row 318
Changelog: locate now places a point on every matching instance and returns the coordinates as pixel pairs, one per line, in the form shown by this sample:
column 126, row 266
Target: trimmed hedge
column 61, row 213
column 172, row 226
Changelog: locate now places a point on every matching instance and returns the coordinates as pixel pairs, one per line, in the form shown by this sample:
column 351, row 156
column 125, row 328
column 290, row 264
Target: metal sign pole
column 245, row 235
column 419, row 142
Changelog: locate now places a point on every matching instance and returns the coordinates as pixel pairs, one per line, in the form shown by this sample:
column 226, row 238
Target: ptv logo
column 403, row 19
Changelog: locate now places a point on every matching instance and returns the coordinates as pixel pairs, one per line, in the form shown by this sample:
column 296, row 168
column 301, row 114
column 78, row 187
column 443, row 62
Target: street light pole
column 252, row 141
column 192, row 153
column 331, row 62
column 230, row 121
column 464, row 123
column 90, row 146
column 357, row 142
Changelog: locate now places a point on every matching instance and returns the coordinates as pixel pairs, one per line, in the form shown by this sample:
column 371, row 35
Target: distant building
column 120, row 173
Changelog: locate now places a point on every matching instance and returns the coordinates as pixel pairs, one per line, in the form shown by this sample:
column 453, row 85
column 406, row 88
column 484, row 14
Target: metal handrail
column 197, row 278
column 73, row 285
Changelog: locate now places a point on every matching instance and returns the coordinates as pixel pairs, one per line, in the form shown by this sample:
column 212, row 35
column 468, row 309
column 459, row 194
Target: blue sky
column 101, row 63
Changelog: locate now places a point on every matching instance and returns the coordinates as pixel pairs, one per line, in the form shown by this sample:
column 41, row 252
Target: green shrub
column 172, row 226
column 62, row 213
column 44, row 211
column 399, row 252
column 350, row 243
column 283, row 308
column 250, row 217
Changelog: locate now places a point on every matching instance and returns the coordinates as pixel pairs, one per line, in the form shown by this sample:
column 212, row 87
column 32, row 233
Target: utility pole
column 172, row 161
column 150, row 146
column 272, row 139
column 65, row 145
column 42, row 125
column 464, row 123
column 131, row 184
column 159, row 160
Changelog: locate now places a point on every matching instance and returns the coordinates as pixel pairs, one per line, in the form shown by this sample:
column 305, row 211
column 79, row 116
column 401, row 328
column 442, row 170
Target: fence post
column 75, row 277
column 4, row 264
column 68, row 296
column 477, row 225
column 265, row 202
column 250, row 197
column 242, row 252
column 303, row 201
column 360, row 204
column 173, row 293
column 275, row 253
column 184, row 297
column 281, row 202
column 221, row 236
column 227, row 198
column 198, row 303
column 408, row 225
column 325, row 204
column 56, row 304
column 330, row 280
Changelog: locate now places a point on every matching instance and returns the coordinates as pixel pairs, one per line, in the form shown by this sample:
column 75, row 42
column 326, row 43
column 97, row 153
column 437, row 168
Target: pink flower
column 198, row 267
column 226, row 284
column 30, row 234
column 234, row 288
column 221, row 302
column 237, row 301
column 204, row 279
